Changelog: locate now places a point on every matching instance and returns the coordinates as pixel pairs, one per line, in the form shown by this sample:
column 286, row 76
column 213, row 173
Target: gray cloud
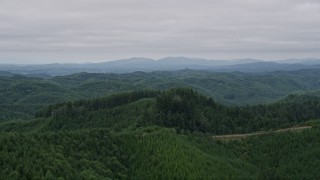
column 98, row 30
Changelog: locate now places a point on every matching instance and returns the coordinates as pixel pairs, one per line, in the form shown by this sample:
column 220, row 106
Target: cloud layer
column 98, row 30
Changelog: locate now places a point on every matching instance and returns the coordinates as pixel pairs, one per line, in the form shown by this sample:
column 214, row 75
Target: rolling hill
column 123, row 136
column 20, row 94
column 164, row 64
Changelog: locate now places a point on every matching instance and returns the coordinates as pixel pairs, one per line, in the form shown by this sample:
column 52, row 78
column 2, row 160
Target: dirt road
column 241, row 136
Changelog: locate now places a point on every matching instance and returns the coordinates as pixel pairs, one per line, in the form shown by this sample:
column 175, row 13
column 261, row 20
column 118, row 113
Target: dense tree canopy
column 151, row 134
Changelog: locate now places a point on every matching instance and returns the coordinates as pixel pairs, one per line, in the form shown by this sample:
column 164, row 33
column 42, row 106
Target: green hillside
column 179, row 108
column 183, row 109
column 52, row 130
column 161, row 135
column 291, row 155
column 19, row 92
column 74, row 155
column 157, row 153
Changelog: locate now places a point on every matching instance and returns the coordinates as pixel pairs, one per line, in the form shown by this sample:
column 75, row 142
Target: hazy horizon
column 155, row 59
column 53, row 31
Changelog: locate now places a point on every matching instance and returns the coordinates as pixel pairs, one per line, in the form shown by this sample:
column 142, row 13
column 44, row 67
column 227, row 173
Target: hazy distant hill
column 307, row 61
column 4, row 73
column 26, row 94
column 165, row 64
column 265, row 67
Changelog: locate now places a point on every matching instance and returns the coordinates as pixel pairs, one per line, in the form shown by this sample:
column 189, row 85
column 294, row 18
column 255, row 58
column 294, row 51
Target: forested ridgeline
column 158, row 134
column 21, row 97
column 162, row 135
column 181, row 108
column 95, row 104
column 227, row 88
column 187, row 110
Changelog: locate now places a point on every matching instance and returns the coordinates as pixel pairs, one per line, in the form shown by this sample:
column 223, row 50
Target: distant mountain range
column 165, row 64
column 307, row 61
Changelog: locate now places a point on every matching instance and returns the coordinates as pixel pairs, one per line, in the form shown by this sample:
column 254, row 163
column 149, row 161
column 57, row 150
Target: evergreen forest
column 161, row 125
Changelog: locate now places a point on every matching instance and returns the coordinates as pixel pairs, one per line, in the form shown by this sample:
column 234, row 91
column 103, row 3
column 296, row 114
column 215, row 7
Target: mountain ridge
column 163, row 64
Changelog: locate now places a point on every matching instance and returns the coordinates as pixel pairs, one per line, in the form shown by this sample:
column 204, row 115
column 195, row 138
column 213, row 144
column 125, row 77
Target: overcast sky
column 45, row 31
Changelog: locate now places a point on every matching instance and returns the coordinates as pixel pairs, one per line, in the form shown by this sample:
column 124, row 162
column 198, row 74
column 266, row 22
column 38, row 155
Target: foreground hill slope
column 162, row 135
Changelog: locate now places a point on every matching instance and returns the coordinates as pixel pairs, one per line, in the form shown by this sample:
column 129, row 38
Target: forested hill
column 151, row 134
column 231, row 88
column 182, row 109
column 22, row 96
